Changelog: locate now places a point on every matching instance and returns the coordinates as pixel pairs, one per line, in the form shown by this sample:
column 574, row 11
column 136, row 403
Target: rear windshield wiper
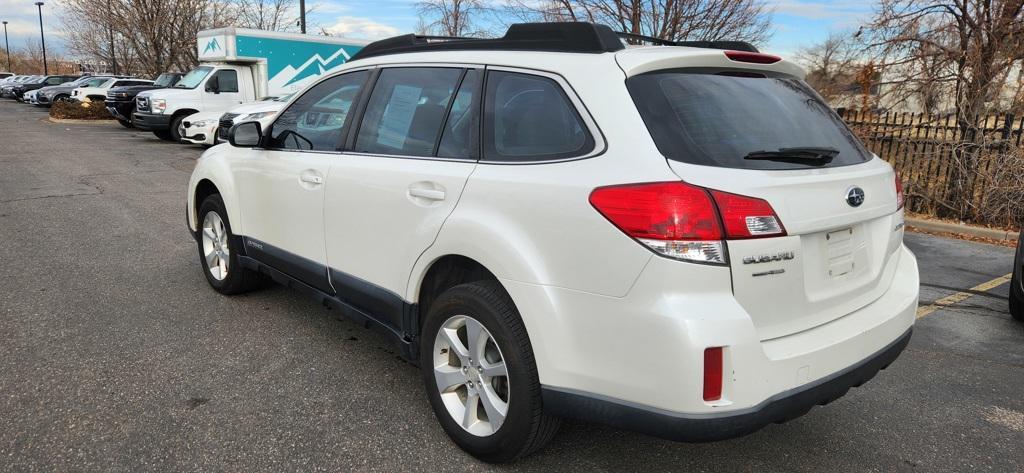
column 814, row 153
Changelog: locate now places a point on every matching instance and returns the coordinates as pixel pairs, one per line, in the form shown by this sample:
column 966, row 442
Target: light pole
column 113, row 54
column 42, row 38
column 7, row 47
column 302, row 15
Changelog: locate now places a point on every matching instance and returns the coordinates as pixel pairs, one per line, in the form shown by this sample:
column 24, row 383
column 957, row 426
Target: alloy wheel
column 215, row 245
column 471, row 375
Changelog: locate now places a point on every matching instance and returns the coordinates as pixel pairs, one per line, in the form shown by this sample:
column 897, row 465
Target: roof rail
column 573, row 37
column 730, row 45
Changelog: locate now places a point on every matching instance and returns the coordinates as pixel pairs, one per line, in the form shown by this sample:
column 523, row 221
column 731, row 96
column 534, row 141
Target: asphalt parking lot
column 116, row 356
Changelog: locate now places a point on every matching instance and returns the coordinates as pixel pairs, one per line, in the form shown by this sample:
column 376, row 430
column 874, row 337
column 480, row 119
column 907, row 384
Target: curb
column 69, row 121
column 980, row 232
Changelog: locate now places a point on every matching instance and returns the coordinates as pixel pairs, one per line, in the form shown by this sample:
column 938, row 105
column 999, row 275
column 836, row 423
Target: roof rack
column 730, row 45
column 571, row 37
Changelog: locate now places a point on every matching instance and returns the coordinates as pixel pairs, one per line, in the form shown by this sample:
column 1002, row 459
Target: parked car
column 1017, row 282
column 4, row 75
column 59, row 93
column 237, row 66
column 7, row 90
column 98, row 92
column 121, row 100
column 43, row 81
column 204, row 128
column 683, row 241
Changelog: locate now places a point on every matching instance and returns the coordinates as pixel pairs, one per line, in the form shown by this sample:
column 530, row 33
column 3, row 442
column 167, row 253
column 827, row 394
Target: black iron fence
column 971, row 170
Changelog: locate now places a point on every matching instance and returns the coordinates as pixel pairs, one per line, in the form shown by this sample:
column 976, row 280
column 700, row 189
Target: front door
column 281, row 188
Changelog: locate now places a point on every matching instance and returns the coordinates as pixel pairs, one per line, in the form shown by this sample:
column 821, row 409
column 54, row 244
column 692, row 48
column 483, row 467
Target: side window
column 315, row 120
column 461, row 133
column 406, row 110
column 529, row 118
column 53, row 81
column 227, row 80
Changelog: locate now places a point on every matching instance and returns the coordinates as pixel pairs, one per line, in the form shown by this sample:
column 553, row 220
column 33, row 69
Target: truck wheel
column 125, row 123
column 219, row 249
column 480, row 374
column 164, row 135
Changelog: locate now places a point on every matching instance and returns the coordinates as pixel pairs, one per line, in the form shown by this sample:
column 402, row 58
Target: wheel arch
column 211, row 175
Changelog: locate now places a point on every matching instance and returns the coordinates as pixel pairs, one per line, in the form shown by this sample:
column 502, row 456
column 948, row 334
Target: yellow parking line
column 962, row 296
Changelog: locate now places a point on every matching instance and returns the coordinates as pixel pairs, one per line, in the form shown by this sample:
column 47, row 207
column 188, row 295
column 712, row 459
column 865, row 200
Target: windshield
column 80, row 80
column 714, row 119
column 165, row 80
column 193, row 78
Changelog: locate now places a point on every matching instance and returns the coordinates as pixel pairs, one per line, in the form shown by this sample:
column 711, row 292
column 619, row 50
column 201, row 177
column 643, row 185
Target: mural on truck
column 291, row 64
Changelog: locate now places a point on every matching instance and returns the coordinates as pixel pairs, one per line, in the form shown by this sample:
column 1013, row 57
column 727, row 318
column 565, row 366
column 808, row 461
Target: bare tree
column 961, row 47
column 832, row 65
column 271, row 15
column 158, row 35
column 450, row 17
column 745, row 20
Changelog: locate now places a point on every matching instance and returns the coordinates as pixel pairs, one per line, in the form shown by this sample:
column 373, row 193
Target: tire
column 525, row 428
column 1017, row 283
column 125, row 123
column 62, row 98
column 219, row 243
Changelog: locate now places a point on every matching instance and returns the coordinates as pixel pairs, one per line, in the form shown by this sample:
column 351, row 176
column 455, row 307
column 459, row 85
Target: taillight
column 900, row 200
column 713, row 374
column 756, row 58
column 684, row 221
column 747, row 217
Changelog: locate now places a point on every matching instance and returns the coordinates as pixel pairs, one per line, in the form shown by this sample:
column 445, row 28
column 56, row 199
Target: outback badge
column 784, row 256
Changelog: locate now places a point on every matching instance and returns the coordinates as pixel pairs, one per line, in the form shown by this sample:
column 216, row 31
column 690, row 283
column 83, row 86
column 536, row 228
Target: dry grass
column 80, row 111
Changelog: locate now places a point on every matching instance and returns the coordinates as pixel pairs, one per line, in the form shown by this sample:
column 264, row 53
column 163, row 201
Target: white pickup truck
column 238, row 66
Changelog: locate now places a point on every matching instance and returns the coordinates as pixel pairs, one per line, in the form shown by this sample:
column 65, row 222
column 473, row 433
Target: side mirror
column 213, row 85
column 246, row 135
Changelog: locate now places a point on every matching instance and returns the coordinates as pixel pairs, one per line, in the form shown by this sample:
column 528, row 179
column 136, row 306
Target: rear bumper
column 151, row 121
column 614, row 360
column 711, row 427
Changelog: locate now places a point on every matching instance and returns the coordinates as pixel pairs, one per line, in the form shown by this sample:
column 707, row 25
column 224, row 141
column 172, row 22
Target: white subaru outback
column 681, row 239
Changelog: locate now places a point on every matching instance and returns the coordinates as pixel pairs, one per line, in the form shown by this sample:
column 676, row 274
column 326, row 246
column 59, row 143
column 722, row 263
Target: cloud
column 359, row 27
column 821, row 10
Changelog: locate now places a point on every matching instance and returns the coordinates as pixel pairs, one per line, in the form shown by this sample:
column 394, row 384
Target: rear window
column 713, row 119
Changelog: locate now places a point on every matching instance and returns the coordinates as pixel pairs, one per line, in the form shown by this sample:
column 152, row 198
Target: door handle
column 429, row 194
column 311, row 179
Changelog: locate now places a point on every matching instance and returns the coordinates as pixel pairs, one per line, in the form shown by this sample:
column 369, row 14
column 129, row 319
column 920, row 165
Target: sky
column 796, row 23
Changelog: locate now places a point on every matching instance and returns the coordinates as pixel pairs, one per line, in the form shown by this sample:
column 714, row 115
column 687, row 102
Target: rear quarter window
column 719, row 118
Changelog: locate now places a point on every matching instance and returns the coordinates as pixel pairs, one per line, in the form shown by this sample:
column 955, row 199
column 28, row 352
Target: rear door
column 403, row 173
column 771, row 137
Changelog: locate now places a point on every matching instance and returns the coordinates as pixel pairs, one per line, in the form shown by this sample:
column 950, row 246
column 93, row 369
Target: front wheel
column 480, row 374
column 125, row 123
column 1017, row 283
column 219, row 248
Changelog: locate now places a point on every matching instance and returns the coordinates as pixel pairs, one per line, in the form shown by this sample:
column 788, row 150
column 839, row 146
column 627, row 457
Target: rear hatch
column 768, row 135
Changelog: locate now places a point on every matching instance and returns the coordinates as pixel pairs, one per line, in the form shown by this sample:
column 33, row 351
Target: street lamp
column 113, row 54
column 302, row 16
column 42, row 38
column 7, row 47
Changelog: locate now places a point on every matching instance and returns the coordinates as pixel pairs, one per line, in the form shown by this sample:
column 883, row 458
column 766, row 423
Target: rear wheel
column 218, row 250
column 1017, row 283
column 480, row 374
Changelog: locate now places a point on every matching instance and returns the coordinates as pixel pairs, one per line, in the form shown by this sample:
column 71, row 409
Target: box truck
column 240, row 65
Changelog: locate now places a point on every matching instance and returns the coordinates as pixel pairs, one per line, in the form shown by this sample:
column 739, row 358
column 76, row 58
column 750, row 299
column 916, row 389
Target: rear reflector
column 756, row 58
column 684, row 221
column 713, row 374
